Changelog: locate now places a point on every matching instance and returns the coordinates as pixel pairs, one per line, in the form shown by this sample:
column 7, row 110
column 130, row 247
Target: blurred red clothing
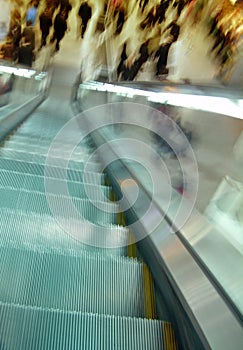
column 115, row 4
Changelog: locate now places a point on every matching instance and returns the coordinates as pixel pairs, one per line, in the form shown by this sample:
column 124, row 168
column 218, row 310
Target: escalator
column 57, row 292
column 190, row 255
column 80, row 267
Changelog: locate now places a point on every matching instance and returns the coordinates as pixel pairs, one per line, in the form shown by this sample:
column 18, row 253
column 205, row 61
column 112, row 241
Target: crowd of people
column 158, row 26
column 19, row 45
column 225, row 26
column 38, row 19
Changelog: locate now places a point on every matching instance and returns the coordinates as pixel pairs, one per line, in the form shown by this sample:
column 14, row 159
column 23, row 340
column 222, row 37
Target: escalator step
column 80, row 151
column 27, row 144
column 43, row 232
column 67, row 207
column 28, row 328
column 77, row 161
column 88, row 283
column 43, row 140
column 57, row 171
column 15, row 180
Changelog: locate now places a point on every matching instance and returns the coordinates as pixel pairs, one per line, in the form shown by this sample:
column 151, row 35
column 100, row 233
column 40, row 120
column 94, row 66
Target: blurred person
column 100, row 25
column 120, row 20
column 115, row 5
column 163, row 51
column 52, row 3
column 162, row 55
column 65, row 5
column 14, row 33
column 173, row 136
column 29, row 34
column 226, row 43
column 164, row 118
column 31, row 13
column 214, row 20
column 149, row 20
column 46, row 24
column 131, row 72
column 174, row 30
column 143, row 4
column 122, row 67
column 195, row 10
column 26, row 52
column 60, row 28
column 219, row 38
column 160, row 11
column 85, row 14
column 180, row 6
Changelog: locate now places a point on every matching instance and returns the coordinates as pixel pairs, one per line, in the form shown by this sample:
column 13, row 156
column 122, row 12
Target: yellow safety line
column 131, row 248
column 169, row 337
column 112, row 196
column 148, row 293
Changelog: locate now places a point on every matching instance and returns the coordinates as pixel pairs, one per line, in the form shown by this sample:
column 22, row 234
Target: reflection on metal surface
column 199, row 297
column 215, row 104
column 203, row 266
column 226, row 210
column 238, row 148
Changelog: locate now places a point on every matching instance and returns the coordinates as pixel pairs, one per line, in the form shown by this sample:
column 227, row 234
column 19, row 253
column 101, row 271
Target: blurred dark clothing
column 122, row 67
column 143, row 4
column 85, row 13
column 149, row 20
column 162, row 53
column 26, row 55
column 131, row 73
column 65, row 6
column 180, row 4
column 120, row 20
column 45, row 25
column 220, row 39
column 175, row 31
column 160, row 11
column 100, row 26
column 29, row 36
column 212, row 25
column 60, row 27
column 163, row 50
column 15, row 36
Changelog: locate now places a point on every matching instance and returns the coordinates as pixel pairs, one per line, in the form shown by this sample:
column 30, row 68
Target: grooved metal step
column 16, row 180
column 43, row 148
column 43, row 232
column 56, row 291
column 88, row 283
column 56, row 171
column 77, row 161
column 37, row 202
column 30, row 328
column 80, row 152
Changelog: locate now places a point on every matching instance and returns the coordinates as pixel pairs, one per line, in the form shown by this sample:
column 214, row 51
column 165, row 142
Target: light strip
column 215, row 104
column 22, row 72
